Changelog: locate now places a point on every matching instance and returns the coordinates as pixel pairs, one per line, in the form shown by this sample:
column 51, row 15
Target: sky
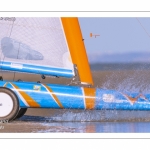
column 117, row 35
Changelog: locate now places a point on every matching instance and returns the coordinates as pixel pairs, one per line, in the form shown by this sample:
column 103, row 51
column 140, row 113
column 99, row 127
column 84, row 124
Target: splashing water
column 129, row 81
column 123, row 81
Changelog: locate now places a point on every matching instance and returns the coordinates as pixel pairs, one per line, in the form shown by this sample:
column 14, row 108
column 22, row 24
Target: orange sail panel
column 77, row 49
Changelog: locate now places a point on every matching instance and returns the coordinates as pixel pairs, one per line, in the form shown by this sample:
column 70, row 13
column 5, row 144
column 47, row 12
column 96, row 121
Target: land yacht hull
column 38, row 95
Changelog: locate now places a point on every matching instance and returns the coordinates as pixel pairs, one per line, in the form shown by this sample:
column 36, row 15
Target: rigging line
column 143, row 27
column 1, row 51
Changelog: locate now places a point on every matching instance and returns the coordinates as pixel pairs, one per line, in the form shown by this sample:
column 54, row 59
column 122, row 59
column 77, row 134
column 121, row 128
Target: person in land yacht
column 17, row 50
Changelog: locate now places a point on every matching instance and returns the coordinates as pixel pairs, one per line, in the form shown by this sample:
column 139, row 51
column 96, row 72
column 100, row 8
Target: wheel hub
column 6, row 104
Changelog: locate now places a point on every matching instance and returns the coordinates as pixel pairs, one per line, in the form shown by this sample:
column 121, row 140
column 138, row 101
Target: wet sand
column 52, row 120
column 79, row 121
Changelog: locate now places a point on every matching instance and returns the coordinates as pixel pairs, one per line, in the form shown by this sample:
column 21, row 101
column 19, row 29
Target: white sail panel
column 34, row 41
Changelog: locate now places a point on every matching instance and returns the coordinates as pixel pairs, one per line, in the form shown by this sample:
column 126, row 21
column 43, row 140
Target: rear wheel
column 9, row 104
column 21, row 112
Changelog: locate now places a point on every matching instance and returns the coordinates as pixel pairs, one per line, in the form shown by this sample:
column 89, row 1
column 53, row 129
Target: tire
column 21, row 112
column 9, row 105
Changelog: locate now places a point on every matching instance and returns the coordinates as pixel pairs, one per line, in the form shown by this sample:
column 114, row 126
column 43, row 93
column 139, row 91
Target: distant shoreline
column 119, row 66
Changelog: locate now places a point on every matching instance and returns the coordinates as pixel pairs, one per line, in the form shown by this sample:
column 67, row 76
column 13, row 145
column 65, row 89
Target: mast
column 77, row 49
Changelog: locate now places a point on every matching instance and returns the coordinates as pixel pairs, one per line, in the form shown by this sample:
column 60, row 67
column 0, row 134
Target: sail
column 35, row 45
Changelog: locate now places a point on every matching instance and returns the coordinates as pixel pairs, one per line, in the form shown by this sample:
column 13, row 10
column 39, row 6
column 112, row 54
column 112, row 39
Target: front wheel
column 9, row 104
column 21, row 112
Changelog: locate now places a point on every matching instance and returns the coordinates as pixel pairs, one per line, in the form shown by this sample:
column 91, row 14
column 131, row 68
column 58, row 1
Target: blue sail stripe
column 27, row 68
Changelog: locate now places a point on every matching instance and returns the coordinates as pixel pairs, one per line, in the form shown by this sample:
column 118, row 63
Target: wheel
column 9, row 104
column 21, row 112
